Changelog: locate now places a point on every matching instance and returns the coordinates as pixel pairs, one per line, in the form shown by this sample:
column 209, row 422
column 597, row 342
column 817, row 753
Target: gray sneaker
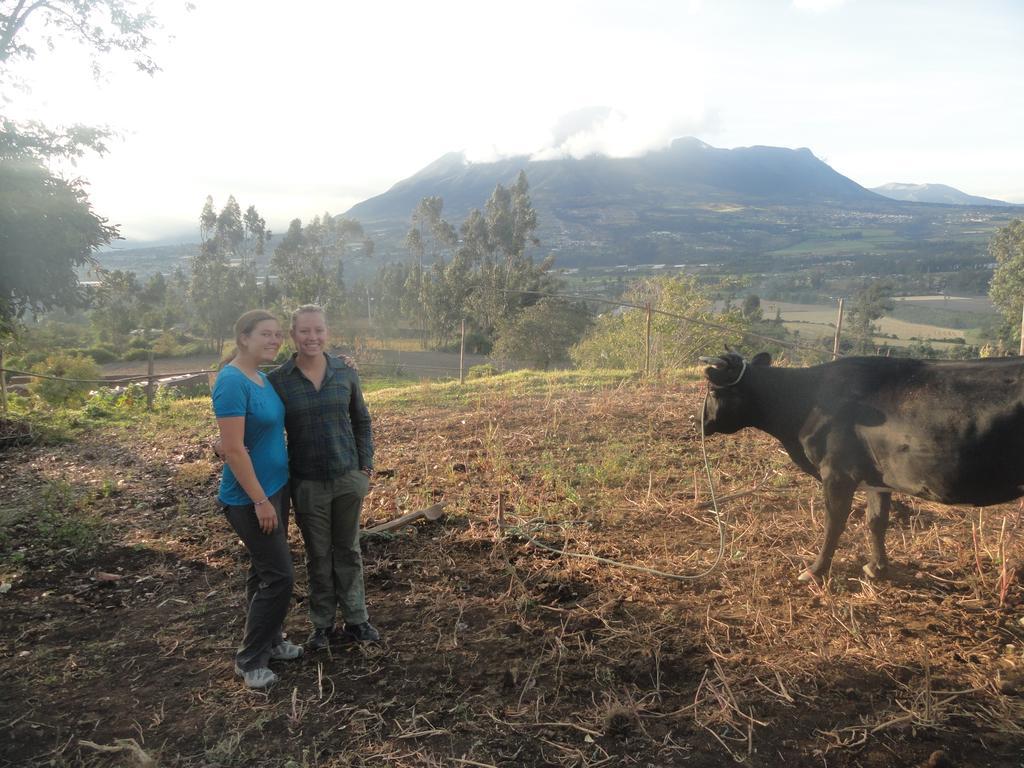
column 261, row 677
column 285, row 651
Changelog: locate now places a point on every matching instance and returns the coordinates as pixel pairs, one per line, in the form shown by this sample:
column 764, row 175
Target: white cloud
column 818, row 6
column 330, row 103
column 621, row 132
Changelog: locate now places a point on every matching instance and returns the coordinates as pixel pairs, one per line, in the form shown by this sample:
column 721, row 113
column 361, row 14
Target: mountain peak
column 933, row 193
column 447, row 163
column 687, row 172
column 690, row 143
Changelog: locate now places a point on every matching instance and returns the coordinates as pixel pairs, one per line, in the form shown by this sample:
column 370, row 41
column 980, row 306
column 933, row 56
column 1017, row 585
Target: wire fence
column 651, row 310
column 153, row 380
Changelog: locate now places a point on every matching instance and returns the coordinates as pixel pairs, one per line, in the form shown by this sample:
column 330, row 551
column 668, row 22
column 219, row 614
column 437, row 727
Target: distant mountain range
column 750, row 208
column 687, row 173
column 933, row 193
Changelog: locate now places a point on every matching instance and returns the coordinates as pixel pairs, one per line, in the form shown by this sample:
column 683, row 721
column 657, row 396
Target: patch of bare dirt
column 116, row 645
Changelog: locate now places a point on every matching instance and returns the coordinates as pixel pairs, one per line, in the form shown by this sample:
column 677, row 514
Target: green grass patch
column 54, row 425
column 939, row 316
column 518, row 383
column 829, row 243
column 374, row 383
column 57, row 519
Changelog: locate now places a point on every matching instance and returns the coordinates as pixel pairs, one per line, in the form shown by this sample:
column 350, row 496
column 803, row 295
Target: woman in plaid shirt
column 330, row 458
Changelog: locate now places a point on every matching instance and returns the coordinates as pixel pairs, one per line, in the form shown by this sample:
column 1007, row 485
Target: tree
column 489, row 277
column 254, row 235
column 506, row 272
column 309, row 260
column 752, row 308
column 428, row 227
column 229, row 231
column 207, row 220
column 387, row 292
column 870, row 303
column 618, row 338
column 153, row 303
column 102, row 26
column 301, row 267
column 1007, row 287
column 542, row 334
column 117, row 308
column 48, row 231
column 75, row 377
column 223, row 281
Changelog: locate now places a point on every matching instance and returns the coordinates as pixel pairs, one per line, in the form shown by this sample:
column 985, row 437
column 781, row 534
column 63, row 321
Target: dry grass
column 500, row 653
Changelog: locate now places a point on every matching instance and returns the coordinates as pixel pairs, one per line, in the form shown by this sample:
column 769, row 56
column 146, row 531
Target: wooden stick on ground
column 430, row 513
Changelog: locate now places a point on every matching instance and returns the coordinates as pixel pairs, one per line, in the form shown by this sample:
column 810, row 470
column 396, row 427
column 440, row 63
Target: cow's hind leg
column 878, row 522
column 838, row 498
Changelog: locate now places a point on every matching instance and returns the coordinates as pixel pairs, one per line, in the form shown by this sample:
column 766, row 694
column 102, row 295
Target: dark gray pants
column 268, row 586
column 328, row 516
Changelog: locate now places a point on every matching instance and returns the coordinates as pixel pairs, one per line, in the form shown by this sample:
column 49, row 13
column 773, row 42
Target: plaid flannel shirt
column 328, row 429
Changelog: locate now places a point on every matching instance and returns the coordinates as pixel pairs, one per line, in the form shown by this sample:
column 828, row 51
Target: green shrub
column 65, row 366
column 166, row 345
column 99, row 355
column 133, row 355
column 26, row 360
column 482, row 371
column 193, row 348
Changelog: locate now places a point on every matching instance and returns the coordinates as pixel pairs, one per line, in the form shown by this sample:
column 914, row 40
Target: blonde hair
column 244, row 325
column 307, row 309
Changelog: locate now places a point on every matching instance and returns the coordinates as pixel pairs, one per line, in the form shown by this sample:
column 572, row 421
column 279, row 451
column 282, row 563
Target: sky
column 315, row 105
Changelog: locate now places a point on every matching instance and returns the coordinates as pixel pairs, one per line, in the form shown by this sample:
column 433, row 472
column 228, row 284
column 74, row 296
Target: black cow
column 944, row 431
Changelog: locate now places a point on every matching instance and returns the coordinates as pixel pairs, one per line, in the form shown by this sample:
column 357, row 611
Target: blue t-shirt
column 235, row 394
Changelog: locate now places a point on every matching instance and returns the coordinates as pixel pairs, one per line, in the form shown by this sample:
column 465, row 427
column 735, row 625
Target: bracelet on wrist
column 264, row 500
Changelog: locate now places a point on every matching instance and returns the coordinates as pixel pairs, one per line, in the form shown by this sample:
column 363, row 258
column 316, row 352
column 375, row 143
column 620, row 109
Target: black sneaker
column 362, row 633
column 319, row 638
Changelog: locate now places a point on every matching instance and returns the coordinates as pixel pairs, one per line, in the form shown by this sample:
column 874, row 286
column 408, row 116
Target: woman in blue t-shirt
column 254, row 491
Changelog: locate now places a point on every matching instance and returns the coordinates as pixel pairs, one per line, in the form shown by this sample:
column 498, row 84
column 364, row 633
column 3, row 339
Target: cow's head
column 729, row 404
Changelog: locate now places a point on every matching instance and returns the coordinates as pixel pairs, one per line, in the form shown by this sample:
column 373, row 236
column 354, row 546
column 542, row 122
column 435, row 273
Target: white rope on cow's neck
column 733, row 384
column 643, row 569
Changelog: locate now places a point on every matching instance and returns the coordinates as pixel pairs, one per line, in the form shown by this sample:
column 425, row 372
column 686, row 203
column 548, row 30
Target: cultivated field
column 122, row 602
column 818, row 320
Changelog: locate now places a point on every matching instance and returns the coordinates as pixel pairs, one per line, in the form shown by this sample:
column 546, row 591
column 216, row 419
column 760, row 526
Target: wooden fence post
column 462, row 353
column 1021, row 351
column 839, row 330
column 3, row 382
column 647, row 345
column 150, row 383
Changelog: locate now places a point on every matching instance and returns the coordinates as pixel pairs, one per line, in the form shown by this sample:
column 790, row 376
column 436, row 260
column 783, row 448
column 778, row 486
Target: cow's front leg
column 878, row 522
column 838, row 498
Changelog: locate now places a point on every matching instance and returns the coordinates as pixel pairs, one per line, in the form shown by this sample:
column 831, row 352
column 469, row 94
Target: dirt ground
column 122, row 602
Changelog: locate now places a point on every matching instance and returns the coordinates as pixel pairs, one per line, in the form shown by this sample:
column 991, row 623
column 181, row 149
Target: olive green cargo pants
column 327, row 513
